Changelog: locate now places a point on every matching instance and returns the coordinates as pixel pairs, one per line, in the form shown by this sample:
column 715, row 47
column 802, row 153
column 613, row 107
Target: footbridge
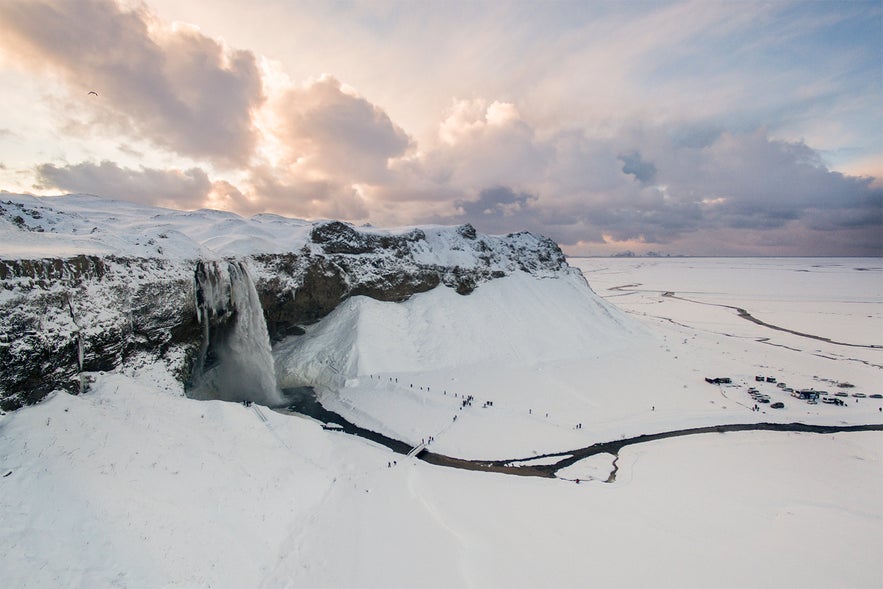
column 417, row 449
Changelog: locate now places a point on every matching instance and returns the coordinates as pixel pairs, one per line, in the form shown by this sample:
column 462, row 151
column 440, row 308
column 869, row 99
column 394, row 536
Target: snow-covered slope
column 70, row 225
column 515, row 321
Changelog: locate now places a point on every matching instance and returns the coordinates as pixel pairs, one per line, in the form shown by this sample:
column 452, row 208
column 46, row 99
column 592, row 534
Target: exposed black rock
column 119, row 308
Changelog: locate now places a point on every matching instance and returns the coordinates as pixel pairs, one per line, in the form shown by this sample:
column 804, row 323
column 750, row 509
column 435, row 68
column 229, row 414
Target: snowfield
column 133, row 484
column 134, row 487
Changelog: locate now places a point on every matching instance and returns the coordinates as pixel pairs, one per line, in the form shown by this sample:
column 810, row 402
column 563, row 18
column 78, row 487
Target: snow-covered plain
column 135, row 485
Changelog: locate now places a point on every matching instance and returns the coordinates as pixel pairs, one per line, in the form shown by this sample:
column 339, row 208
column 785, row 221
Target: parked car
column 718, row 380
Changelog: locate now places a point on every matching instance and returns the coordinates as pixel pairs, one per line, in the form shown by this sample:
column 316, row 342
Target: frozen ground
column 134, row 485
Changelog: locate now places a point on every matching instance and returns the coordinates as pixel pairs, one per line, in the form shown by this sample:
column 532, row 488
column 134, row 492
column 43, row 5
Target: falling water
column 235, row 361
column 81, row 352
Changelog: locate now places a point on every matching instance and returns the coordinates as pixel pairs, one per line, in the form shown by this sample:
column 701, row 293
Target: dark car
column 777, row 405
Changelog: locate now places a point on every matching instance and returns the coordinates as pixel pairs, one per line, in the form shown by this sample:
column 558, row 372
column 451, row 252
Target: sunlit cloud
column 171, row 188
column 676, row 126
column 174, row 86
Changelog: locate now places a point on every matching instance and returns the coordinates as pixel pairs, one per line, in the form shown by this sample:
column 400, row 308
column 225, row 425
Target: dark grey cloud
column 632, row 163
column 498, row 201
column 585, row 191
column 177, row 88
column 750, row 180
column 187, row 189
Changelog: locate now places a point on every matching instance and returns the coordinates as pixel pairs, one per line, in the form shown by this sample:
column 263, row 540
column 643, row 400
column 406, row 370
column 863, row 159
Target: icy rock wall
column 235, row 361
column 66, row 316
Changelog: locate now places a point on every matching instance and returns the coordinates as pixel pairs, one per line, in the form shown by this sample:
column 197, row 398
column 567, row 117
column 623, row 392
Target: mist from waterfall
column 235, row 361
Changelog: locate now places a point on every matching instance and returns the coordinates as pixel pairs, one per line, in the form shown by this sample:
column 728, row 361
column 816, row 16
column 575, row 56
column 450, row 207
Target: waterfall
column 81, row 344
column 235, row 361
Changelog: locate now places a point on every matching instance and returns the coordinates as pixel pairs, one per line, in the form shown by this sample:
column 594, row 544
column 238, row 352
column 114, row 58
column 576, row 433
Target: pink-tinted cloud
column 330, row 132
column 321, row 149
column 178, row 88
column 289, row 194
column 186, row 189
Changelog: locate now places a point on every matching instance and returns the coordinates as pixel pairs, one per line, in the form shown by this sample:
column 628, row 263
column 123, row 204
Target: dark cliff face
column 300, row 289
column 297, row 289
column 117, row 309
column 122, row 311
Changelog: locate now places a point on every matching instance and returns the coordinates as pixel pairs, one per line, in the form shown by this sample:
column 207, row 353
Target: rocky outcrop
column 67, row 316
column 114, row 309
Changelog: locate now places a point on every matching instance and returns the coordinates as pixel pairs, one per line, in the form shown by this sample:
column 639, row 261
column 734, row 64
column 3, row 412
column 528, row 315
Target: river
column 303, row 400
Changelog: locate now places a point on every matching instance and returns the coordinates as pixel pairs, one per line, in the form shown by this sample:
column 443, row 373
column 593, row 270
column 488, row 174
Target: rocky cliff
column 66, row 316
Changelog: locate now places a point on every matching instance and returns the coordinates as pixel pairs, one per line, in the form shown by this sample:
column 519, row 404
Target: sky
column 695, row 128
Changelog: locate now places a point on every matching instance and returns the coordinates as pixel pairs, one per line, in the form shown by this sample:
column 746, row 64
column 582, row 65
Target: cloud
column 484, row 144
column 187, row 189
column 498, row 201
column 644, row 185
column 632, row 163
column 304, row 197
column 590, row 139
column 176, row 87
column 329, row 131
column 757, row 180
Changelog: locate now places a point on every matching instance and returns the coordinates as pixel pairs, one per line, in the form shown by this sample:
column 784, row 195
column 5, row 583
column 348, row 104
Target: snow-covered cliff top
column 61, row 226
column 64, row 226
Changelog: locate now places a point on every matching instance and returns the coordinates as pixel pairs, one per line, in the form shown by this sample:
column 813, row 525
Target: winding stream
column 626, row 289
column 303, row 400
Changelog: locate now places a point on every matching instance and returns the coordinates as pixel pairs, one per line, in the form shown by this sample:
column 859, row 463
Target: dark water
column 303, row 400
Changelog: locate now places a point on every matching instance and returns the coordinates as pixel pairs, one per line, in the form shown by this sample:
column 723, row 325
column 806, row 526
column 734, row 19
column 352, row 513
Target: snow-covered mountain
column 90, row 284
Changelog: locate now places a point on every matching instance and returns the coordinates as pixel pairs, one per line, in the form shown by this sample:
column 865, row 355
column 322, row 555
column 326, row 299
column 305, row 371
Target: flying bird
column 92, row 92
